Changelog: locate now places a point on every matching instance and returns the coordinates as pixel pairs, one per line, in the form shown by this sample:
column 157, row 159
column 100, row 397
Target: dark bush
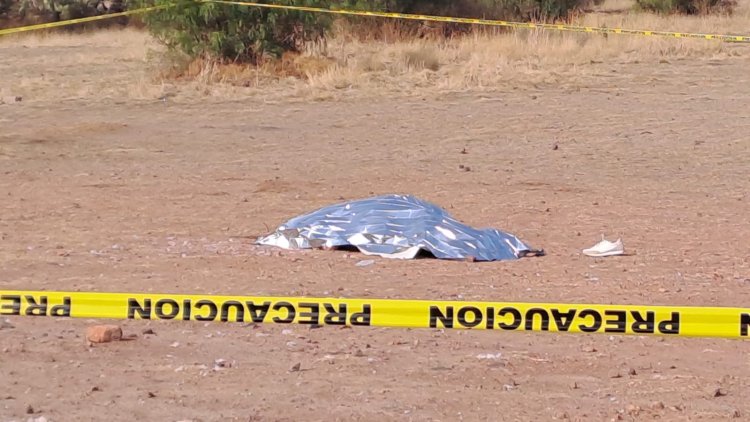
column 20, row 12
column 234, row 33
column 488, row 9
column 689, row 7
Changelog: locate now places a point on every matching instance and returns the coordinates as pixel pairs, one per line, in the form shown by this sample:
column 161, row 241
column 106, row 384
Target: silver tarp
column 396, row 226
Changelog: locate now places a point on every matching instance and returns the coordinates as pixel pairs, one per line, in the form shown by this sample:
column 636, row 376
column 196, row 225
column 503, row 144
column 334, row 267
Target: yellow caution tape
column 490, row 22
column 68, row 22
column 680, row 321
column 429, row 18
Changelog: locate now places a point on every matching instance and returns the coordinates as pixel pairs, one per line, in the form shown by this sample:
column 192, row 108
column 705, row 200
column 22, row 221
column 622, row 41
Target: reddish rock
column 103, row 333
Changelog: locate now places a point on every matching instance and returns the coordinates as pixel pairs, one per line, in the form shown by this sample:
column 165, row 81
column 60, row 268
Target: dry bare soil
column 107, row 193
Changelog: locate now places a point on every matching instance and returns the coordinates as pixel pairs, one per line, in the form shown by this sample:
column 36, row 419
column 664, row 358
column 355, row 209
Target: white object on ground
column 365, row 263
column 605, row 248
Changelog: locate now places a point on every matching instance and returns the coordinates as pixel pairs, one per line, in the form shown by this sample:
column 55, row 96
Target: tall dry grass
column 128, row 64
column 490, row 59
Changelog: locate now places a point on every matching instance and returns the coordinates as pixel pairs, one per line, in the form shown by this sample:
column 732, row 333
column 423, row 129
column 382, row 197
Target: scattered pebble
column 103, row 333
column 365, row 263
column 657, row 405
column 220, row 364
column 148, row 331
column 489, row 355
column 6, row 325
column 175, row 344
column 296, row 367
column 633, row 409
column 720, row 392
column 11, row 99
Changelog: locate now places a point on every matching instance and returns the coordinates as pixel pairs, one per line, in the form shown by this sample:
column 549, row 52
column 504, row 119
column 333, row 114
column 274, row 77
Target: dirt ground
column 163, row 196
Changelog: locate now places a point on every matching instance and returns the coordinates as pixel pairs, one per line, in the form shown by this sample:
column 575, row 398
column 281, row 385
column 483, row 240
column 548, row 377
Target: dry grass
column 129, row 64
column 492, row 59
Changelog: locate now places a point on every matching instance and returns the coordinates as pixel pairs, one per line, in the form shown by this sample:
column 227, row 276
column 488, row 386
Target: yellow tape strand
column 429, row 18
column 68, row 22
column 490, row 22
column 682, row 321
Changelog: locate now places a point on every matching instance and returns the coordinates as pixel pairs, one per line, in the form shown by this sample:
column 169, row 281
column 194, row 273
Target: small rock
column 555, row 147
column 6, row 325
column 296, row 367
column 497, row 355
column 463, row 151
column 633, row 410
column 29, row 410
column 11, row 99
column 720, row 392
column 365, row 263
column 736, row 414
column 175, row 344
column 359, row 353
column 95, row 389
column 151, row 395
column 103, row 333
column 588, row 349
column 657, row 405
column 221, row 364
column 632, row 372
column 148, row 331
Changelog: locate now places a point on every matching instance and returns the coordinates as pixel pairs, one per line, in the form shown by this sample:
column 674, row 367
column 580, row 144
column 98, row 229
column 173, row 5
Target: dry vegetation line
column 497, row 23
column 427, row 18
column 69, row 22
column 682, row 321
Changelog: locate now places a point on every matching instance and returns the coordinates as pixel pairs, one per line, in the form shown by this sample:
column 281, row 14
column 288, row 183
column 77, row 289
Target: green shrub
column 689, row 7
column 36, row 11
column 250, row 34
column 232, row 32
column 489, row 9
column 5, row 6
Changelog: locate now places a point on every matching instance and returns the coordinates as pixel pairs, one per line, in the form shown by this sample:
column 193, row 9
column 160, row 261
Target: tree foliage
column 233, row 32
column 689, row 7
column 250, row 34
